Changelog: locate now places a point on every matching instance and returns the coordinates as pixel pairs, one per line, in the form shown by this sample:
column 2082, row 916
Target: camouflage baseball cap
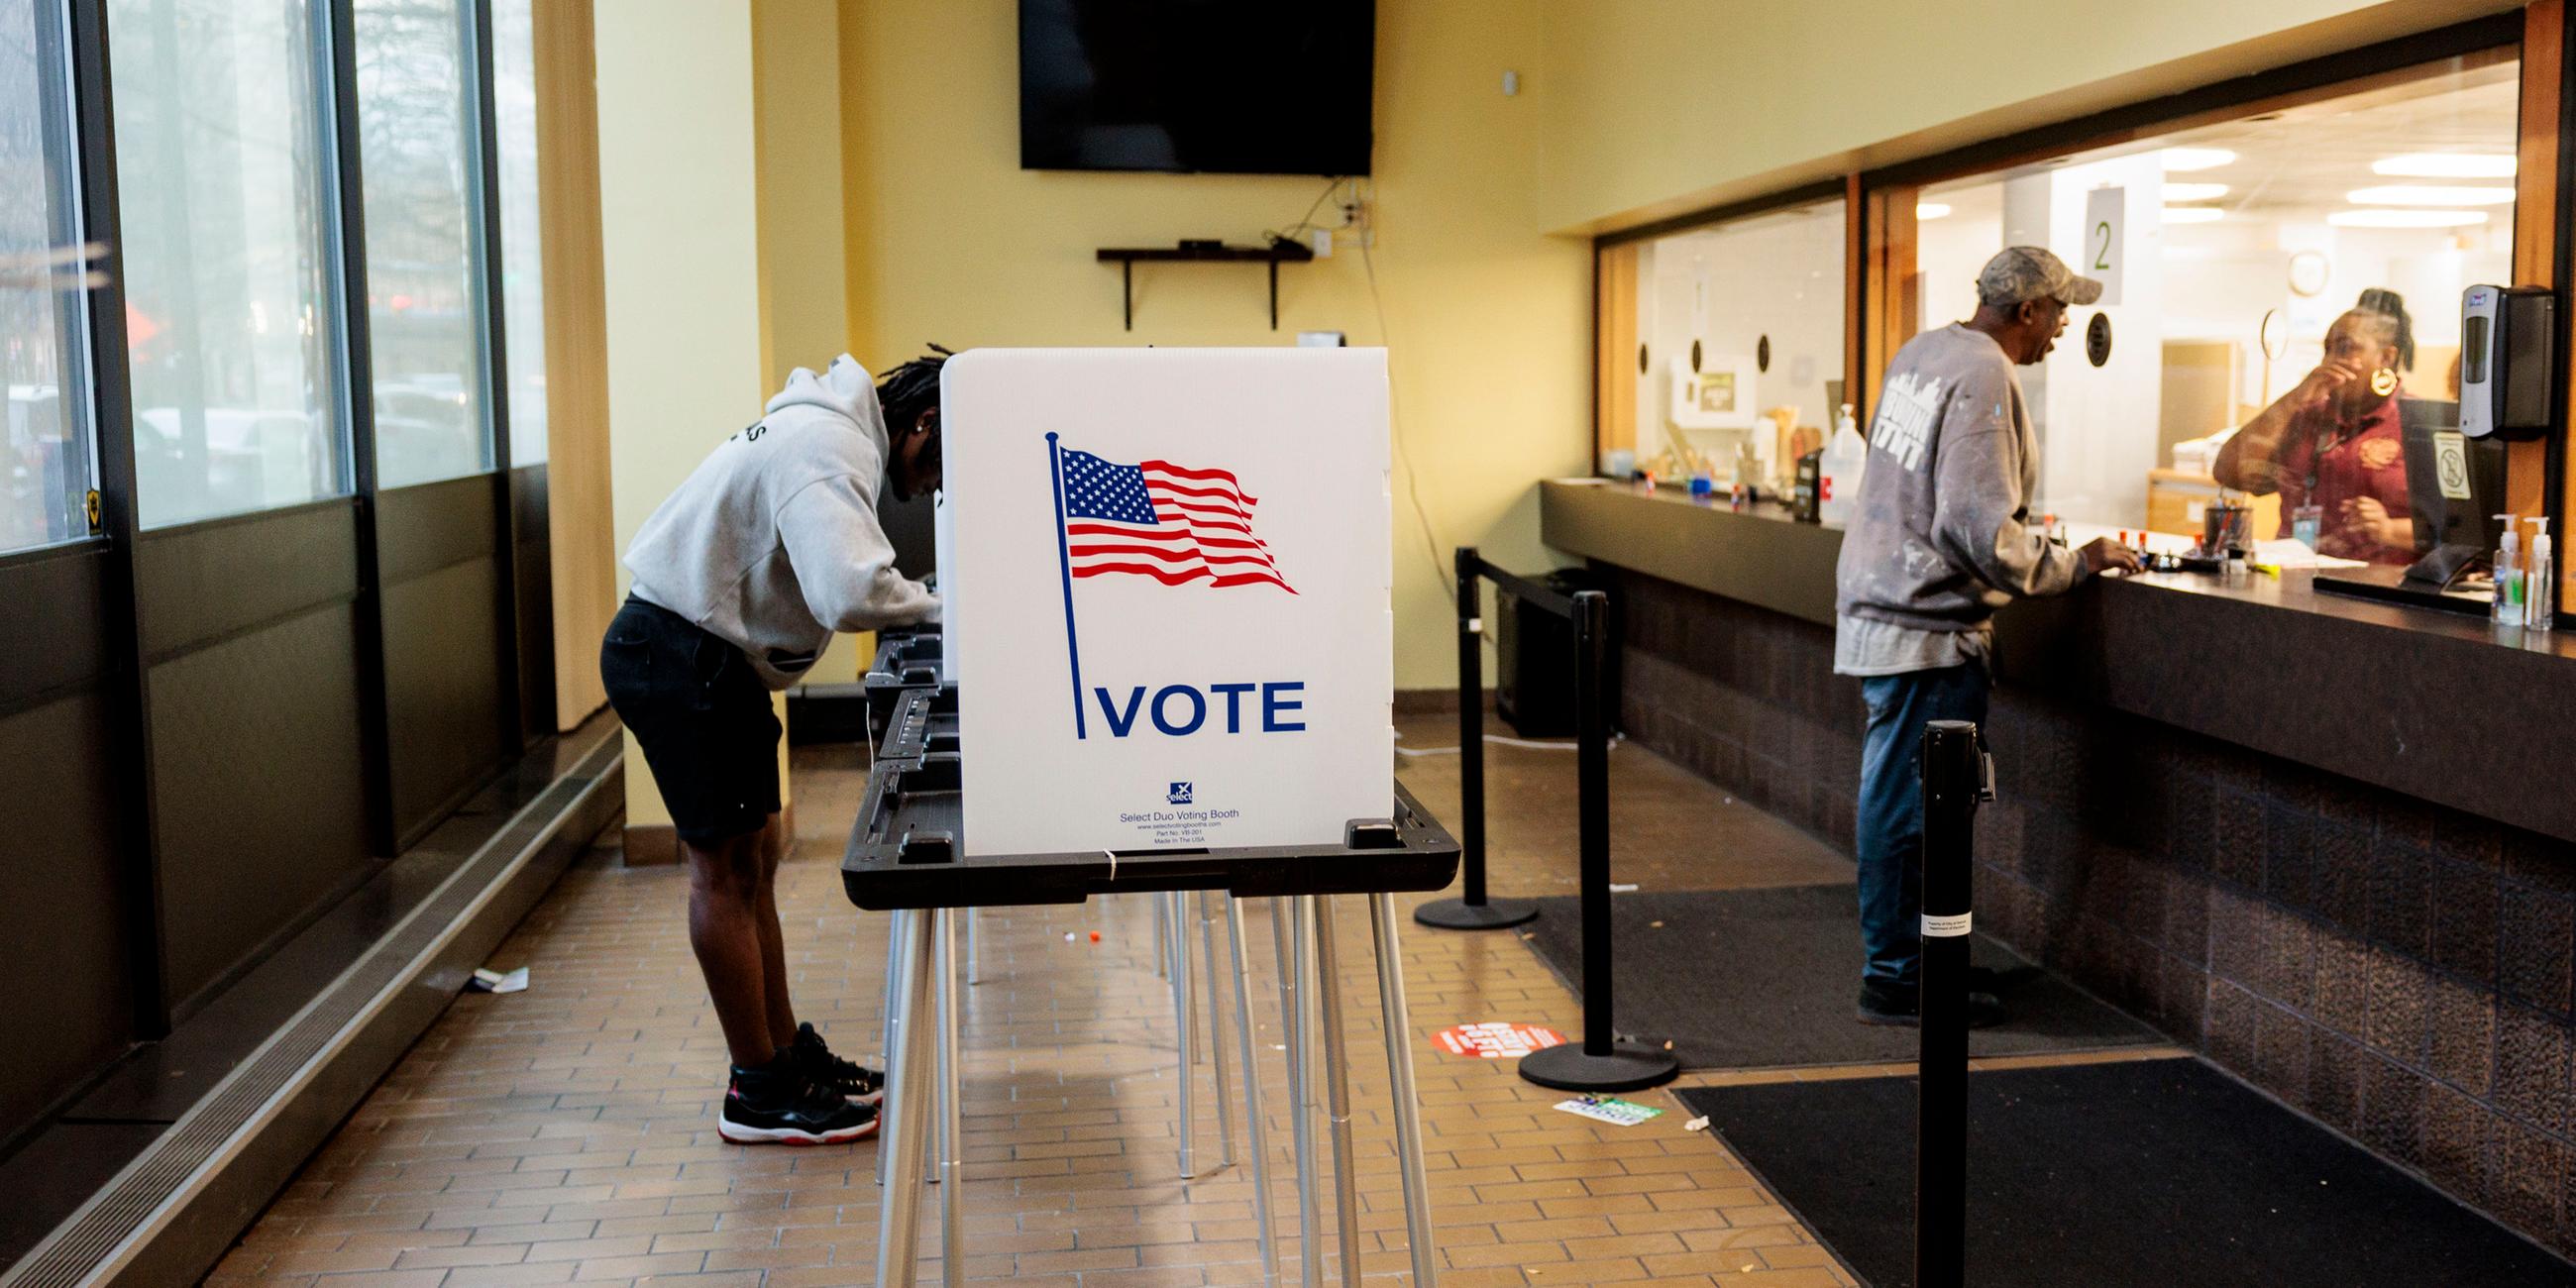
column 2019, row 273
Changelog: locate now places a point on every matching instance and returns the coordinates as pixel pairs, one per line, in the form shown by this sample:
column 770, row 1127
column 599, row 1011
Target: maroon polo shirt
column 2327, row 458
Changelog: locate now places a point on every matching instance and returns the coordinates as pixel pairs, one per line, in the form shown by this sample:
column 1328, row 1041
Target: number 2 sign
column 2105, row 227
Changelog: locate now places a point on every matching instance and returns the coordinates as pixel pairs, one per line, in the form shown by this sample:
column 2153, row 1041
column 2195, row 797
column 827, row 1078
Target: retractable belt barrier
column 1476, row 911
column 1955, row 773
column 1601, row 1062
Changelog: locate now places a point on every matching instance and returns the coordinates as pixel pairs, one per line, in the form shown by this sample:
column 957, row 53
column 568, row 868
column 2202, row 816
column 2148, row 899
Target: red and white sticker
column 1496, row 1040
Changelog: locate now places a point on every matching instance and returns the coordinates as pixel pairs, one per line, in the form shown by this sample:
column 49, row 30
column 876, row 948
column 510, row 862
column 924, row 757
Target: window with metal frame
column 523, row 286
column 420, row 179
column 224, row 187
column 46, row 459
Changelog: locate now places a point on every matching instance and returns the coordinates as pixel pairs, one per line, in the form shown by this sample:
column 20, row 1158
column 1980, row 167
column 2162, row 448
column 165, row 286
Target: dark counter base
column 2400, row 970
column 2440, row 707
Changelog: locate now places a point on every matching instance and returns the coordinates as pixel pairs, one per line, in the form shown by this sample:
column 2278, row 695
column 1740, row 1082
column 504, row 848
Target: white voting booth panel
column 1168, row 584
column 942, row 535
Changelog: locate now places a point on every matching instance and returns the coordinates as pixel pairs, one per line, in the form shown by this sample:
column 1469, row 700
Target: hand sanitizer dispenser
column 2506, row 388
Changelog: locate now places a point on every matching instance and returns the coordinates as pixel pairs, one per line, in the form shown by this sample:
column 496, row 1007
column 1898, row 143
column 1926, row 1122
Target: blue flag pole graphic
column 1064, row 561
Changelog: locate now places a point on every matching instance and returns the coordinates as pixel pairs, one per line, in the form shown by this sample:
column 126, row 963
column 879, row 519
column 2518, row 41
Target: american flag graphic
column 1159, row 520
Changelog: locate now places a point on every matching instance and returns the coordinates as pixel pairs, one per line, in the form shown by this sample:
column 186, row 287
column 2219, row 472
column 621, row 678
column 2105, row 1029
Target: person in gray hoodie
column 740, row 578
column 1940, row 539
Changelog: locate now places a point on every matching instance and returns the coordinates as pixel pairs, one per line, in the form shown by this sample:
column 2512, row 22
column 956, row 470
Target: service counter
column 2330, row 842
column 2439, row 706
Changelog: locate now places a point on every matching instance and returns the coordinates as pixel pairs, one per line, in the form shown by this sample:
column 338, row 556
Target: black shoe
column 779, row 1105
column 1901, row 1005
column 855, row 1081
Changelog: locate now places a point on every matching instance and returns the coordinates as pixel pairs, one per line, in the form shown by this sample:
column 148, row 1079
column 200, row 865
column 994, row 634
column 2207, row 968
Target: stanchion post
column 1602, row 1062
column 1475, row 911
column 1953, row 773
column 1471, row 722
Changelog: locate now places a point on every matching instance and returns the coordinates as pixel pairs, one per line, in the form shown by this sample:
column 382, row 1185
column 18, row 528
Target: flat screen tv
column 1214, row 86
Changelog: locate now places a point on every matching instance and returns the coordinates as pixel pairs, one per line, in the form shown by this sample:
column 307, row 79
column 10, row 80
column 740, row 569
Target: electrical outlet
column 1355, row 217
column 1323, row 240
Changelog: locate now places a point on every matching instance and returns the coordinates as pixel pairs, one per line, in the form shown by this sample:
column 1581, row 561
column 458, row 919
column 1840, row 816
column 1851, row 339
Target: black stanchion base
column 1458, row 914
column 1628, row 1067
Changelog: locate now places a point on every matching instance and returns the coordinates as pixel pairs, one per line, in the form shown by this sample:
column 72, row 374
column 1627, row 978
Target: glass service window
column 223, row 188
column 45, row 459
column 420, row 186
column 1741, row 330
column 2291, row 279
column 523, row 286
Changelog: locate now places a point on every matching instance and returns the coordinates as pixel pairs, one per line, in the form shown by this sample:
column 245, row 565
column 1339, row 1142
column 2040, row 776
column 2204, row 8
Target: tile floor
column 567, row 1134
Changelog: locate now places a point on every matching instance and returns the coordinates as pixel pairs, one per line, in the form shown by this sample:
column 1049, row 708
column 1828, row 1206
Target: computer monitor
column 2455, row 484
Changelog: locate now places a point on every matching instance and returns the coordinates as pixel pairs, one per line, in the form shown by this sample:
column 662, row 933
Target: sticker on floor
column 1496, row 1040
column 1609, row 1109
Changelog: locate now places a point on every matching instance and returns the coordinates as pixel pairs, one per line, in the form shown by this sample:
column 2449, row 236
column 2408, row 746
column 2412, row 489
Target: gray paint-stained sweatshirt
column 1939, row 539
column 773, row 542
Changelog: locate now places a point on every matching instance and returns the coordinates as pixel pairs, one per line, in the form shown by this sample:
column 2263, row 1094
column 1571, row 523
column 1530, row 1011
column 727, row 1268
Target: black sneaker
column 855, row 1081
column 779, row 1105
column 1901, row 1005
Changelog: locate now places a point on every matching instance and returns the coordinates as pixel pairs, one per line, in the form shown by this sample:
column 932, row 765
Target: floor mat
column 1747, row 979
column 2140, row 1172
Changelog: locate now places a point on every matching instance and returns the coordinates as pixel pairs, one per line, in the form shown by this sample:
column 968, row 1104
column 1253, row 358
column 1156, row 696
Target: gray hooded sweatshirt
column 773, row 543
column 1938, row 540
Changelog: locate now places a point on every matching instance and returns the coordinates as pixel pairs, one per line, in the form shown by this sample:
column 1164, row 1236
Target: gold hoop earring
column 2383, row 382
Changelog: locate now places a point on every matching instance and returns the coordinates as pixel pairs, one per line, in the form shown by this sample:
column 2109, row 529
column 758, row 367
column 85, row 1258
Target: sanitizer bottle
column 2540, row 583
column 1839, row 471
column 2508, row 573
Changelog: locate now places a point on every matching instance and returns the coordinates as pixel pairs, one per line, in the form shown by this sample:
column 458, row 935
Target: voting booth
column 1175, row 563
column 1164, row 667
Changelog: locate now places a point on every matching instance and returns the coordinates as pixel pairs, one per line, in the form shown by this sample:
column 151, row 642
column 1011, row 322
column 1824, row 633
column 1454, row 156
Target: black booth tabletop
column 907, row 848
column 907, row 852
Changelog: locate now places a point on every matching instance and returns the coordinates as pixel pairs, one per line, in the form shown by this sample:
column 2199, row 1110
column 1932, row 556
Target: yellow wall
column 579, row 497
column 1487, row 323
column 1654, row 107
column 680, row 235
column 804, row 302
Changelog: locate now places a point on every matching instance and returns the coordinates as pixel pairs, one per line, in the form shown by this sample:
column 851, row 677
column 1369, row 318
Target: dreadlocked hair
column 911, row 389
column 2384, row 303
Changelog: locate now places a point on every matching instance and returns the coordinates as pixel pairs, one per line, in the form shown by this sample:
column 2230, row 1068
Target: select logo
column 1179, row 795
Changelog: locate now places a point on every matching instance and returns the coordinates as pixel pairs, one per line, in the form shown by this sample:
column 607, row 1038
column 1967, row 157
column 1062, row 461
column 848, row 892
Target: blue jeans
column 1890, row 841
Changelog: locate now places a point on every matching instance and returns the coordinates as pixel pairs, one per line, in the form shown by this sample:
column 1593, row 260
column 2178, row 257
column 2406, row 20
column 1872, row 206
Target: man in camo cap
column 1939, row 539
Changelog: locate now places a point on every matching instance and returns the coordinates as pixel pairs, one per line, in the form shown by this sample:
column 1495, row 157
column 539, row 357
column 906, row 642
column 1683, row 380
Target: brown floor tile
column 569, row 1130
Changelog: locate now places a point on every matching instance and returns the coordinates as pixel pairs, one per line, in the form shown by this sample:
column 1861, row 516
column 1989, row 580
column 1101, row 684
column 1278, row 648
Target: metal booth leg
column 1162, row 935
column 1216, row 1033
column 1337, row 1086
column 905, row 1137
column 1258, row 1138
column 1182, row 1032
column 1301, row 1082
column 974, row 946
column 952, row 1151
column 897, row 925
column 1400, row 1089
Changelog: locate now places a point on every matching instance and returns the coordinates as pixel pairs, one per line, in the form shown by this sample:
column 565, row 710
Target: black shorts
column 702, row 716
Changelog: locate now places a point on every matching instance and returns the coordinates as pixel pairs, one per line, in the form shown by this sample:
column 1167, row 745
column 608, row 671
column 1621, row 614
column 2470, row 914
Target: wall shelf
column 1273, row 255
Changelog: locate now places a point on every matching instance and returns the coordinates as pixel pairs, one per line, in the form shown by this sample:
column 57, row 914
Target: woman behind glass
column 2334, row 441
